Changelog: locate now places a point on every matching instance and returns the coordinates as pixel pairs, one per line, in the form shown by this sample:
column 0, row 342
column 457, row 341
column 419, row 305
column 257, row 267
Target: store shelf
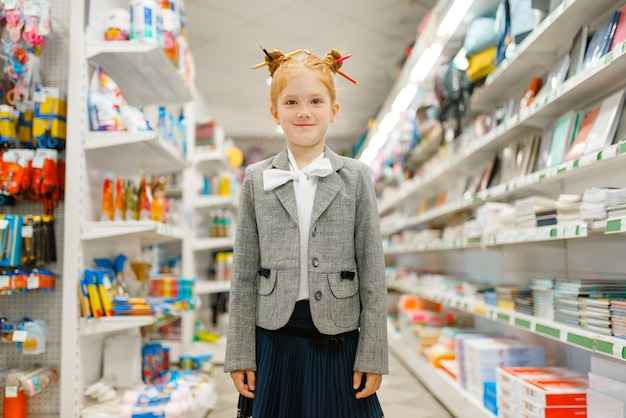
column 574, row 336
column 517, row 236
column 207, row 287
column 213, row 201
column 583, row 89
column 97, row 326
column 211, row 161
column 143, row 72
column 588, row 164
column 210, row 244
column 129, row 153
column 442, row 386
column 539, row 49
column 147, row 231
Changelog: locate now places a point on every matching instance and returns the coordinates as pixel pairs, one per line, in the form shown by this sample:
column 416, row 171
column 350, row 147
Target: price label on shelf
column 5, row 281
column 618, row 351
column 622, row 225
column 609, row 152
column 587, row 159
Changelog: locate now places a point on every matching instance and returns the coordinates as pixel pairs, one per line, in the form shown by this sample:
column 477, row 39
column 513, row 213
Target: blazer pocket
column 345, row 306
column 266, row 298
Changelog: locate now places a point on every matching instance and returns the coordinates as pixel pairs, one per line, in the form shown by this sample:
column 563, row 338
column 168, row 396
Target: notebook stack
column 597, row 202
column 616, row 203
column 507, row 295
column 618, row 317
column 543, row 298
column 535, row 211
column 568, row 209
column 594, row 315
column 585, row 303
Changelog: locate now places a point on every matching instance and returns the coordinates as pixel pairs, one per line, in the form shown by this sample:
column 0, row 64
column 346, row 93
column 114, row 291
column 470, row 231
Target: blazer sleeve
column 240, row 342
column 372, row 352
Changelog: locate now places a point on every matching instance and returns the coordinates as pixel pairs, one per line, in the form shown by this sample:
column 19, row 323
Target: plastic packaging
column 35, row 334
column 38, row 380
column 117, row 25
column 143, row 20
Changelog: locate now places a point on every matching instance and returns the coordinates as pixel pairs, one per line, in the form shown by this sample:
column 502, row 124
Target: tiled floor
column 401, row 395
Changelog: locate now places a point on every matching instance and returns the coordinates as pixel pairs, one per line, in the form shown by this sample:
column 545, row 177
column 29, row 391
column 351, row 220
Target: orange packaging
column 107, row 211
column 120, row 199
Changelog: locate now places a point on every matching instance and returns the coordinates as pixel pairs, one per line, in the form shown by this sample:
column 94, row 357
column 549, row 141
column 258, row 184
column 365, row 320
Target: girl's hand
column 244, row 381
column 372, row 383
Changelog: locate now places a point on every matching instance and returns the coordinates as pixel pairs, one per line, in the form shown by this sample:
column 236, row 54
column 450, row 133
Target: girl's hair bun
column 331, row 60
column 278, row 57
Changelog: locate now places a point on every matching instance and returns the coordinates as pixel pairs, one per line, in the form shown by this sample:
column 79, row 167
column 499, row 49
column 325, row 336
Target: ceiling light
column 389, row 122
column 425, row 63
column 368, row 155
column 404, row 98
column 453, row 17
column 377, row 141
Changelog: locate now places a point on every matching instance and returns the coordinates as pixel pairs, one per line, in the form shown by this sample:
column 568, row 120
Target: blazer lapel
column 285, row 193
column 327, row 187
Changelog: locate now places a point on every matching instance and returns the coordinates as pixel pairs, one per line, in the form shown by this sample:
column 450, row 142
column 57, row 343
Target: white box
column 603, row 405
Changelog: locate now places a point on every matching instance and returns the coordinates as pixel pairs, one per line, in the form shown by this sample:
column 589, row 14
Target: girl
column 307, row 334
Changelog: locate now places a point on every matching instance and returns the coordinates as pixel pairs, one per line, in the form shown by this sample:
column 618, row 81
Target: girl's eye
column 290, row 102
column 316, row 101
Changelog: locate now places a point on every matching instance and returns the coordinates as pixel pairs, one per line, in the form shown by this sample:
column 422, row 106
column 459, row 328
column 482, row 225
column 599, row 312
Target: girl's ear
column 274, row 114
column 334, row 111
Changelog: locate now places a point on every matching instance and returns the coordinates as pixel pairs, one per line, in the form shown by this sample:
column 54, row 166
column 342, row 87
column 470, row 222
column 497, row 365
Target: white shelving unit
column 514, row 257
column 132, row 63
column 126, row 153
column 146, row 77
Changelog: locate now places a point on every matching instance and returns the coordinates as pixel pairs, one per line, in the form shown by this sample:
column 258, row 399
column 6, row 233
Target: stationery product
column 601, row 40
column 557, row 75
column 544, row 147
column 580, row 142
column 605, row 125
column 287, row 55
column 143, row 20
column 565, row 128
column 577, row 52
column 620, row 30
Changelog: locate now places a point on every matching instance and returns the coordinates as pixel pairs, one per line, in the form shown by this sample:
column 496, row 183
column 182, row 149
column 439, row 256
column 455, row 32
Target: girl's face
column 304, row 109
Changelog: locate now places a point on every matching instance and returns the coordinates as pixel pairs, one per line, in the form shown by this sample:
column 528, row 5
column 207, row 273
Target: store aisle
column 401, row 395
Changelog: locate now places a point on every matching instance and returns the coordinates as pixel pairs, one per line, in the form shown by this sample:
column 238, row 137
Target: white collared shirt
column 304, row 226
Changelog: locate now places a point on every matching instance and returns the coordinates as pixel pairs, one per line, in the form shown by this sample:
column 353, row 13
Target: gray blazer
column 345, row 238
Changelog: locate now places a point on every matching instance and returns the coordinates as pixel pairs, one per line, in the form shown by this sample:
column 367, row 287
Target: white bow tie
column 273, row 177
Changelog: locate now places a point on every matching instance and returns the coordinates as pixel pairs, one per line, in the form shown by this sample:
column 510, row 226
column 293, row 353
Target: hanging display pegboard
column 46, row 306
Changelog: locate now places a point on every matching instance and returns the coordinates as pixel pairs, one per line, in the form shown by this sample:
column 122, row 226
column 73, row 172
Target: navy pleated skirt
column 302, row 377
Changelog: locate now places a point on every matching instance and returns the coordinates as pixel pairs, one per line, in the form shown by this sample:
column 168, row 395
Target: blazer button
column 316, row 262
column 318, row 295
column 314, row 231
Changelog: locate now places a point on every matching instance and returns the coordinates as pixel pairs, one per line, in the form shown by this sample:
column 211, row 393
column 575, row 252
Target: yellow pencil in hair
column 289, row 55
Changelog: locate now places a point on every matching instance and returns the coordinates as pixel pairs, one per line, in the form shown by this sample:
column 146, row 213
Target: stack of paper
column 598, row 201
column 618, row 317
column 585, row 302
column 594, row 314
column 496, row 217
column 593, row 204
column 568, row 209
column 543, row 298
column 535, row 211
column 508, row 295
